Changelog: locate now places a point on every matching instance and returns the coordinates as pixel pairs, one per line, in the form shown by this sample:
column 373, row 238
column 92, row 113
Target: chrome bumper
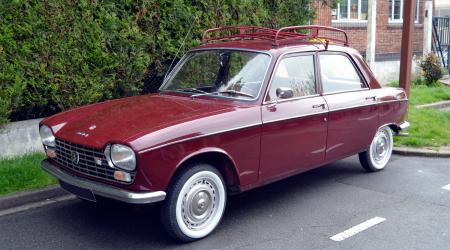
column 404, row 126
column 103, row 189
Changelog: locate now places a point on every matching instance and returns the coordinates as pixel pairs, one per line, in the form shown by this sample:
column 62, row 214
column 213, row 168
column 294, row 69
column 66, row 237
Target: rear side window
column 339, row 74
column 297, row 73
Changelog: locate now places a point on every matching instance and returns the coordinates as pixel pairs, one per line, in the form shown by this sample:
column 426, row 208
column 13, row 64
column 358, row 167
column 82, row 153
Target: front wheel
column 195, row 203
column 377, row 156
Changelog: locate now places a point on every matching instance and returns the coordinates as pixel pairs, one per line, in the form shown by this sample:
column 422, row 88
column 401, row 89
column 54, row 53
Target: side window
column 296, row 73
column 339, row 74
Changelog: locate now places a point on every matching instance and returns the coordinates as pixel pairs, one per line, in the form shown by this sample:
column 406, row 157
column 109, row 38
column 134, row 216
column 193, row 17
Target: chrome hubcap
column 381, row 147
column 199, row 204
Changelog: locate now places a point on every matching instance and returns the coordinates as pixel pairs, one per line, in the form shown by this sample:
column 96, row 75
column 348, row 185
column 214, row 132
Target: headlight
column 121, row 156
column 47, row 136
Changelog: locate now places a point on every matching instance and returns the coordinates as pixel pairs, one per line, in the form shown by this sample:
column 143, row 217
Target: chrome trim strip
column 400, row 100
column 294, row 117
column 365, row 105
column 103, row 189
column 196, row 137
column 352, row 107
column 185, row 57
column 344, row 91
column 290, row 99
column 405, row 125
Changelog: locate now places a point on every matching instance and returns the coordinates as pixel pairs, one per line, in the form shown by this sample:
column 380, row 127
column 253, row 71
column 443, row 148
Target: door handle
column 316, row 106
column 373, row 98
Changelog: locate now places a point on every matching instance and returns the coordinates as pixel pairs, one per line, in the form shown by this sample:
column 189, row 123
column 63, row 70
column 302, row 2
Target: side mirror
column 284, row 93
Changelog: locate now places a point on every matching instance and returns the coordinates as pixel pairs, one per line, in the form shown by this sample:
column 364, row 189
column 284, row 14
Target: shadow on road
column 117, row 224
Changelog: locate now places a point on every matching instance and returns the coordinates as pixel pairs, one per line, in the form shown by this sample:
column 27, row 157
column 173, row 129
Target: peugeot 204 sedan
column 247, row 107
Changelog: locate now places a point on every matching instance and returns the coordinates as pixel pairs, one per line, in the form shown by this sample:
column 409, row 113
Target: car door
column 353, row 113
column 294, row 127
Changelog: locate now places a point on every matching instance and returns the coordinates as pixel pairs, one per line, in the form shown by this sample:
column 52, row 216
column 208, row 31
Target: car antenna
column 179, row 49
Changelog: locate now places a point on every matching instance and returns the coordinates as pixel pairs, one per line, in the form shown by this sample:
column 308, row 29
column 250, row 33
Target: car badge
column 98, row 160
column 82, row 134
column 92, row 127
column 75, row 157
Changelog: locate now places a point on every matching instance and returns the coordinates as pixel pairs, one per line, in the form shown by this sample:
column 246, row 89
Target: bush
column 431, row 68
column 60, row 54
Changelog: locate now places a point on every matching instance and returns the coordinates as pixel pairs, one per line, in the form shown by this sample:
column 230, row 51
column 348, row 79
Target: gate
column 441, row 40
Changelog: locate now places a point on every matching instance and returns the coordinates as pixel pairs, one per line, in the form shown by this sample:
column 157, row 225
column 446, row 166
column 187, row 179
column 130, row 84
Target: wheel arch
column 395, row 127
column 219, row 159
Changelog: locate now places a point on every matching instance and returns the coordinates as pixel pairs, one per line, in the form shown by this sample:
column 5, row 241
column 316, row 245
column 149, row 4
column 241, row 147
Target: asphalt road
column 301, row 212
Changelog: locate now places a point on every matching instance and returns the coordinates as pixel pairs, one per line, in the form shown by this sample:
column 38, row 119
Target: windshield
column 231, row 73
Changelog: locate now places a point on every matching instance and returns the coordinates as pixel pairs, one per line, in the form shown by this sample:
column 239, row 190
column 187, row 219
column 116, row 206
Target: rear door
column 294, row 129
column 353, row 113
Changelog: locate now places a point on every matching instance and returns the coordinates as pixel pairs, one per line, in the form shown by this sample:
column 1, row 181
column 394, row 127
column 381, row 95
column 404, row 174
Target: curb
column 23, row 198
column 54, row 192
column 421, row 152
column 436, row 105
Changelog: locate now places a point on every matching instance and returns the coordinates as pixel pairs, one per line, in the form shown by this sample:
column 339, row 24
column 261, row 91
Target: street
column 302, row 212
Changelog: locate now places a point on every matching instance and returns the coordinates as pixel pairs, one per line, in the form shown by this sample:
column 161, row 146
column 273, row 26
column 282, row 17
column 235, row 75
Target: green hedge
column 60, row 54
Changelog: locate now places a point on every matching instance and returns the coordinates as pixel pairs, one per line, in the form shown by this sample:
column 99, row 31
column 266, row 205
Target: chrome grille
column 86, row 161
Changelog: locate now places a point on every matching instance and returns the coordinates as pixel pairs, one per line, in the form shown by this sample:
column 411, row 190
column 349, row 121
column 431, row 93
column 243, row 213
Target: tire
column 199, row 184
column 380, row 150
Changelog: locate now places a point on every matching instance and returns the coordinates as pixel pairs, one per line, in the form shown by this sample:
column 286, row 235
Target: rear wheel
column 195, row 203
column 377, row 156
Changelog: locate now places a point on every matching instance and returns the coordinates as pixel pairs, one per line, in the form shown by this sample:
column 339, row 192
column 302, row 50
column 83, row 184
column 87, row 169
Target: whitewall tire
column 195, row 203
column 380, row 150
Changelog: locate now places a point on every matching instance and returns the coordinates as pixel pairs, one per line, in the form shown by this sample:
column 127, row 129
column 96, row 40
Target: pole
column 428, row 26
column 371, row 33
column 406, row 51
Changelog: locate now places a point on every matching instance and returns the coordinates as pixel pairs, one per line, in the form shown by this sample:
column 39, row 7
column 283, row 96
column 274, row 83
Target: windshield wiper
column 195, row 90
column 235, row 92
column 230, row 91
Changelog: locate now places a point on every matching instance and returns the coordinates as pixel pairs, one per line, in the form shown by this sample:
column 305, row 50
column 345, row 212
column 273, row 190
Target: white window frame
column 338, row 14
column 400, row 20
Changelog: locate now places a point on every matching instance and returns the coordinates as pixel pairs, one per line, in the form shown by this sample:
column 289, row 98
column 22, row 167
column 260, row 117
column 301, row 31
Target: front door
column 294, row 129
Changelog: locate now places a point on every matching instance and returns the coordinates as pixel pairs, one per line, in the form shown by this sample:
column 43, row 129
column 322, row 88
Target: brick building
column 351, row 15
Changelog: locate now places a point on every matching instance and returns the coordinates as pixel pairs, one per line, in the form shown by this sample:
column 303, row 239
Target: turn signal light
column 122, row 176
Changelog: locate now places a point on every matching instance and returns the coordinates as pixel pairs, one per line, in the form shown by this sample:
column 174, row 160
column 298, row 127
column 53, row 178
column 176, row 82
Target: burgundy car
column 248, row 107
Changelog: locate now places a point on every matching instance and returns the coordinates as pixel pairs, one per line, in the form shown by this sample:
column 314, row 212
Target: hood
column 117, row 120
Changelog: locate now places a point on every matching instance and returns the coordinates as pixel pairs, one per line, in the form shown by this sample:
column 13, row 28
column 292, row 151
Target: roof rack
column 276, row 36
column 245, row 32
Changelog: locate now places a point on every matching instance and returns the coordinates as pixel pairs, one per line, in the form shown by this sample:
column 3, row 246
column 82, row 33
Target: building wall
column 389, row 35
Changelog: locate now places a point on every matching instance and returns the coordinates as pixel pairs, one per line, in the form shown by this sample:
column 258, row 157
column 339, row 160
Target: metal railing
column 441, row 40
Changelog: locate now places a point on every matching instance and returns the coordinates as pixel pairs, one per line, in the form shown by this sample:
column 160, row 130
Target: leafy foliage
column 60, row 54
column 431, row 68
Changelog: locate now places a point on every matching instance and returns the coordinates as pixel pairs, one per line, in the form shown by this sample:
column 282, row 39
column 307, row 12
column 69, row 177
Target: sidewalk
column 445, row 80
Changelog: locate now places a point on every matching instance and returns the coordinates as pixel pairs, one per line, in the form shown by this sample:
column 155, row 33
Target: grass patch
column 23, row 173
column 429, row 127
column 424, row 95
column 420, row 93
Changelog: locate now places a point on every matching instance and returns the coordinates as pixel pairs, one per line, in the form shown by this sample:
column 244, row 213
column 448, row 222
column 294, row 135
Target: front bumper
column 103, row 189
